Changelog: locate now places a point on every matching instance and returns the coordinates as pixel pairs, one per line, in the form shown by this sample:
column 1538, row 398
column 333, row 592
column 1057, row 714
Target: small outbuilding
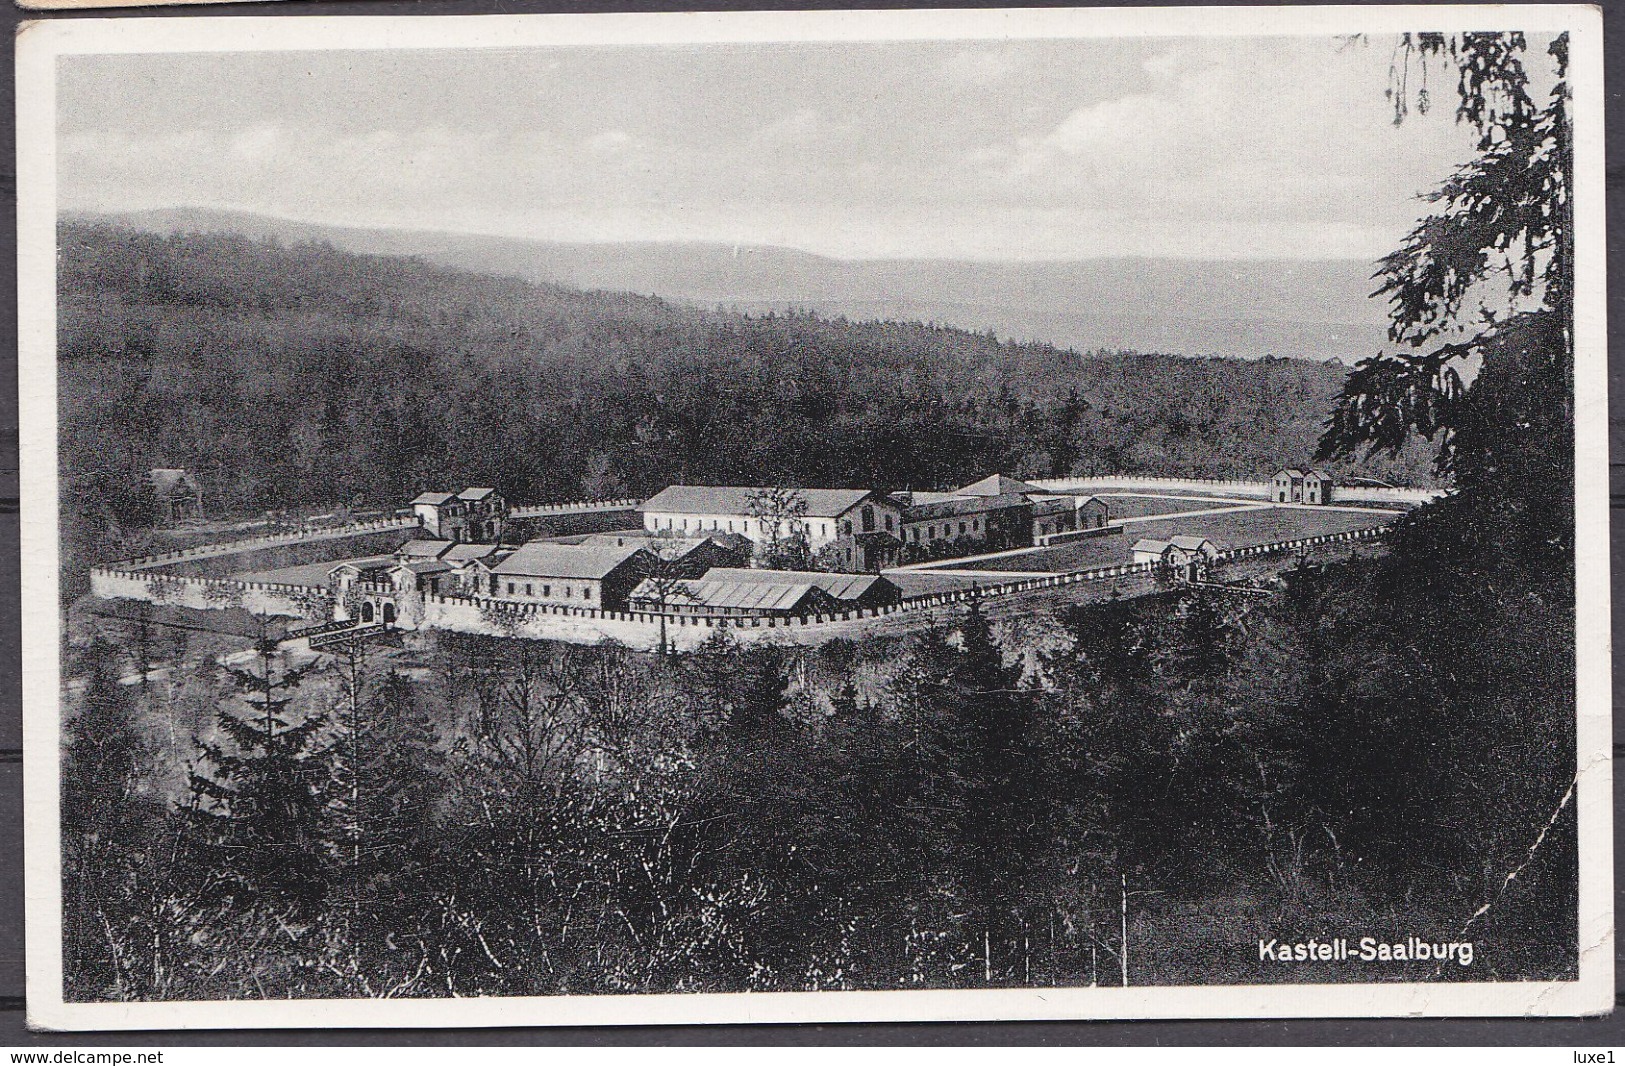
column 1149, row 550
column 1177, row 551
column 479, row 515
column 176, row 496
column 1290, row 485
column 1185, row 549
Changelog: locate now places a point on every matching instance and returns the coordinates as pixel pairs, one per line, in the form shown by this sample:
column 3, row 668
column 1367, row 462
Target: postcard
column 815, row 516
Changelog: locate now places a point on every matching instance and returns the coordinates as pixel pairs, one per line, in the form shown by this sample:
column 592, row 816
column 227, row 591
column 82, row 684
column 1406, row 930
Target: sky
column 1236, row 148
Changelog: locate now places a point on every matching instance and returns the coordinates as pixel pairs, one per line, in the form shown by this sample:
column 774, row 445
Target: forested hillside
column 1308, row 308
column 285, row 376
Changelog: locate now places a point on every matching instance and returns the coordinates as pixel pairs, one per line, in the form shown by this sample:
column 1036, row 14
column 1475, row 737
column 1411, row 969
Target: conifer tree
column 105, row 825
column 262, row 793
column 996, row 781
column 388, row 769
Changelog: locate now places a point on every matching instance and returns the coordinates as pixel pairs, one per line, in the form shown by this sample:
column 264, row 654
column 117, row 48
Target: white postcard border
column 40, row 43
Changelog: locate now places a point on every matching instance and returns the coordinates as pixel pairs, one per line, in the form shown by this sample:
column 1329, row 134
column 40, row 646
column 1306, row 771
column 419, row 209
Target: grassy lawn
column 1131, row 506
column 1236, row 529
column 924, row 582
column 1062, row 558
column 1242, row 529
column 312, row 575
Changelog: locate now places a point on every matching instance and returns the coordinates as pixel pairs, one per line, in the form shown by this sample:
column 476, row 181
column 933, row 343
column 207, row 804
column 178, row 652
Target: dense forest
column 1138, row 796
column 286, row 377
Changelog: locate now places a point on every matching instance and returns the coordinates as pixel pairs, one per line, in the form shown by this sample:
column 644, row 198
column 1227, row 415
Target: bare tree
column 667, row 574
column 781, row 516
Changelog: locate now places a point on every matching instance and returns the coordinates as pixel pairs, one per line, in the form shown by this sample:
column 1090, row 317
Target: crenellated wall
column 1246, row 489
column 209, row 593
column 150, row 579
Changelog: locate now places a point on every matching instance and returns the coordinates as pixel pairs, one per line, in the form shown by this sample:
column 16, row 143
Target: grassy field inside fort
column 1230, row 529
column 1136, row 505
column 312, row 575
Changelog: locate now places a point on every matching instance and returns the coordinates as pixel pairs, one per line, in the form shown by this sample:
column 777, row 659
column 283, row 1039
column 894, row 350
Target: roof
column 475, row 494
column 424, row 566
column 487, row 562
column 1146, row 544
column 929, row 505
column 1321, row 474
column 643, row 538
column 1190, row 542
column 736, row 500
column 1289, row 471
column 739, row 595
column 166, row 480
column 997, row 485
column 363, row 565
column 434, row 498
column 1050, row 504
column 916, row 499
column 542, row 559
column 463, row 553
column 840, row 586
column 424, row 549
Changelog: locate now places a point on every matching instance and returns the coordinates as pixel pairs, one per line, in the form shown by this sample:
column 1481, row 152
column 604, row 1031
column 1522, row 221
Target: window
column 493, row 584
column 888, row 523
column 868, row 519
column 567, row 592
column 586, row 592
column 976, row 525
column 961, row 529
column 510, row 588
column 528, row 592
column 846, row 527
column 547, row 590
column 730, row 526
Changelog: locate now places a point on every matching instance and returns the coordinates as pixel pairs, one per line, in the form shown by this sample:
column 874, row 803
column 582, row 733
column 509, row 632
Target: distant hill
column 1311, row 309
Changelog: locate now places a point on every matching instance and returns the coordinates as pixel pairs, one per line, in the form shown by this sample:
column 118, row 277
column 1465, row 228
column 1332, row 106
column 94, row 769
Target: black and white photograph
column 814, row 516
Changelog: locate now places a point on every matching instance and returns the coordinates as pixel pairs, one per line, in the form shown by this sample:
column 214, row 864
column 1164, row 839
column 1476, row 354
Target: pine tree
column 1454, row 671
column 262, row 809
column 388, row 768
column 105, row 826
column 998, row 780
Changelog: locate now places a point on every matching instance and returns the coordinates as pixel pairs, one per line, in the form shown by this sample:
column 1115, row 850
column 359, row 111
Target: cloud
column 981, row 67
column 794, row 130
column 256, row 145
column 1274, row 132
column 609, row 141
column 1245, row 148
